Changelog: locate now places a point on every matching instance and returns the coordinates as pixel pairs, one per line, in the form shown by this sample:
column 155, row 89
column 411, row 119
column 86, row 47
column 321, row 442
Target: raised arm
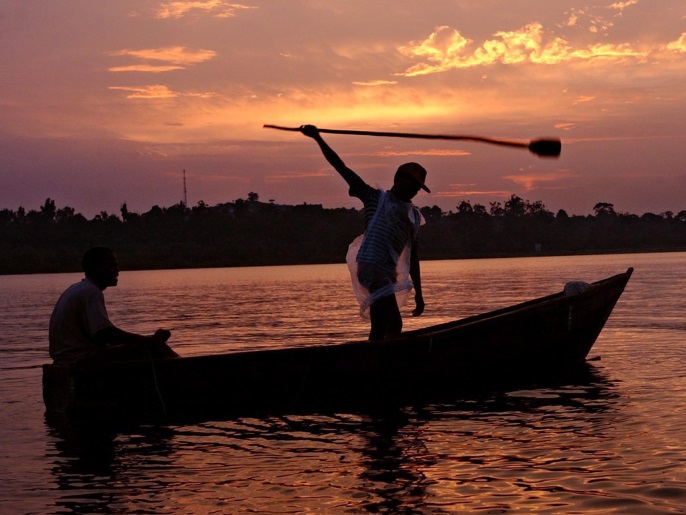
column 353, row 180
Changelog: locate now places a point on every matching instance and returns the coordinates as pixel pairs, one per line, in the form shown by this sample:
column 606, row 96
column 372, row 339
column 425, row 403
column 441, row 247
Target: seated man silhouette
column 81, row 332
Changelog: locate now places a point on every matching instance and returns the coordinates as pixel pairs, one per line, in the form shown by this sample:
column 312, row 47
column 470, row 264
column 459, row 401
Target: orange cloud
column 176, row 54
column 606, row 51
column 156, row 91
column 216, row 8
column 147, row 92
column 431, row 152
column 679, row 45
column 584, row 98
column 587, row 18
column 149, row 68
column 446, row 49
column 295, row 175
column 376, row 83
column 473, row 193
column 531, row 181
column 620, row 6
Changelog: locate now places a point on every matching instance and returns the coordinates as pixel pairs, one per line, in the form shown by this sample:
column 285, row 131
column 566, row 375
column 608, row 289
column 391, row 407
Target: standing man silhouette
column 387, row 252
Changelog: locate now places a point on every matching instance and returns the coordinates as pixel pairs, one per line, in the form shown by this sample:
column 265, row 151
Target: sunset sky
column 108, row 102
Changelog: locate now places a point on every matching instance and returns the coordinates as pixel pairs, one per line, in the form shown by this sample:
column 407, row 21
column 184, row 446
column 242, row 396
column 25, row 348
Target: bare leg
column 386, row 319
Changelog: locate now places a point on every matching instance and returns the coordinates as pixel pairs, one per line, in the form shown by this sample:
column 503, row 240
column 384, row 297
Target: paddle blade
column 546, row 147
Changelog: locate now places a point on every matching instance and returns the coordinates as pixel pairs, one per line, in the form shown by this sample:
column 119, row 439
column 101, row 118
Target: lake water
column 611, row 443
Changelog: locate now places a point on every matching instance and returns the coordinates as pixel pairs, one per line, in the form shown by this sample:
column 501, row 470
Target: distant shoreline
column 254, row 233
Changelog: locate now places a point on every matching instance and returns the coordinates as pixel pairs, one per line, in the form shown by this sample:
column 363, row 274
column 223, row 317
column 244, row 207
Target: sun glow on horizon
column 190, row 84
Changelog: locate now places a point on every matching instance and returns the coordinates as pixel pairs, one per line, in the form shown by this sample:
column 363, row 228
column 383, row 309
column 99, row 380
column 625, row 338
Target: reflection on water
column 607, row 441
column 474, row 453
column 98, row 471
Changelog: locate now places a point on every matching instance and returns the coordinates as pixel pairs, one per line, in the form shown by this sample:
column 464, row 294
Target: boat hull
column 541, row 335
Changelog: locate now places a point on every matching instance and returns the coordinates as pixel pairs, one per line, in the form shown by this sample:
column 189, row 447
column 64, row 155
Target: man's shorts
column 372, row 277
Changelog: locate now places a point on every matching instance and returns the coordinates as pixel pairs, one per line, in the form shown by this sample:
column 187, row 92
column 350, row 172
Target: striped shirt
column 390, row 225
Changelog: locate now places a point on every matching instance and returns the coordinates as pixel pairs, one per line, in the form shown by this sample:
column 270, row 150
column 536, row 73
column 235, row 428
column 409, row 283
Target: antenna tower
column 185, row 196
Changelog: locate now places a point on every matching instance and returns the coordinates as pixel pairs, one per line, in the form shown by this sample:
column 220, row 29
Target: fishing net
column 401, row 287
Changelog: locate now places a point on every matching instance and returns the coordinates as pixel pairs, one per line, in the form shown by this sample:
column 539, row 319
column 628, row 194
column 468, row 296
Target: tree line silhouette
column 248, row 232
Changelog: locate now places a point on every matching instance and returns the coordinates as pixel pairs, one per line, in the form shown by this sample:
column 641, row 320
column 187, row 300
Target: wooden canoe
column 546, row 334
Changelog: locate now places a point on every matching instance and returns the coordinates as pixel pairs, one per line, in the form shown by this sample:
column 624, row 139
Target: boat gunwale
column 540, row 301
column 426, row 332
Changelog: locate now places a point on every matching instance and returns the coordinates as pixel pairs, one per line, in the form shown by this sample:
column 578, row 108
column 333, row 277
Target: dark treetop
column 248, row 232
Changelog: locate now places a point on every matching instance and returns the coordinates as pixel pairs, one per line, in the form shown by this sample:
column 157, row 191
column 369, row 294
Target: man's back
column 79, row 314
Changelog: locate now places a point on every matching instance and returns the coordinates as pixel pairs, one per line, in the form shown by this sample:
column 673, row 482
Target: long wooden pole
column 543, row 147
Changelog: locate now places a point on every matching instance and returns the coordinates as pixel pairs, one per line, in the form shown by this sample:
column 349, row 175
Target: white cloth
column 401, row 287
column 386, row 246
column 78, row 315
